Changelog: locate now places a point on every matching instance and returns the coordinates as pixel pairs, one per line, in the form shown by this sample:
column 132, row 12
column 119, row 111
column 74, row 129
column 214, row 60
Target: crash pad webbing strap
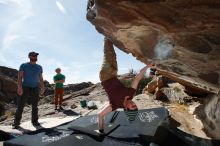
column 114, row 116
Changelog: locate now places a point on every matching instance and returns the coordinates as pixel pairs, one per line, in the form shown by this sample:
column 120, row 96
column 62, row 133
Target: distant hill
column 8, row 87
column 9, row 72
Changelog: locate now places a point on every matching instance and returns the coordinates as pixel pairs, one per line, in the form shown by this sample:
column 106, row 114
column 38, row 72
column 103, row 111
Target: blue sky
column 60, row 33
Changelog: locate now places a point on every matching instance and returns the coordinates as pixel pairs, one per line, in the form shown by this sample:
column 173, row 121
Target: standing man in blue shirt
column 30, row 78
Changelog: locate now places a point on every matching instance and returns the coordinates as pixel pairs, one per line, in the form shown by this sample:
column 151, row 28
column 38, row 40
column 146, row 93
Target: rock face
column 182, row 37
column 8, row 89
column 8, row 84
column 212, row 116
column 9, row 72
column 76, row 87
column 96, row 94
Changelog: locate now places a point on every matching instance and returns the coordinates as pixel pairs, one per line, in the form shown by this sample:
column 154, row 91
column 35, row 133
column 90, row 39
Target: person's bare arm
column 59, row 81
column 56, row 81
column 20, row 77
column 101, row 115
column 139, row 76
column 41, row 84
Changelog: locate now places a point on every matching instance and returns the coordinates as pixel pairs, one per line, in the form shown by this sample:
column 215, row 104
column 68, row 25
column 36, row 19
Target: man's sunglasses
column 33, row 55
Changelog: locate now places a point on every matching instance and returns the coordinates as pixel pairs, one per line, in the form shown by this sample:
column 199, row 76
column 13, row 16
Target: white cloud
column 3, row 2
column 8, row 39
column 58, row 46
column 23, row 11
column 60, row 7
column 24, row 7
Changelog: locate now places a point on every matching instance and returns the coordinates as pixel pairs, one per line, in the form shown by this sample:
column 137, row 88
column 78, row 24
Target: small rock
column 73, row 106
column 91, row 105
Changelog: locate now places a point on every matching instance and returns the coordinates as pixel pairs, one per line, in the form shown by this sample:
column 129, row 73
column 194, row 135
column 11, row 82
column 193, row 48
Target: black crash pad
column 40, row 137
column 85, row 140
column 92, row 133
column 85, row 131
column 146, row 123
column 147, row 128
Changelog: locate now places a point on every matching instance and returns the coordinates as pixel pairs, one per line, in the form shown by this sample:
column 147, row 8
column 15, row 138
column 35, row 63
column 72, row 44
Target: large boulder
column 9, row 72
column 8, row 84
column 175, row 93
column 76, row 87
column 182, row 37
column 8, row 80
column 8, row 89
column 210, row 115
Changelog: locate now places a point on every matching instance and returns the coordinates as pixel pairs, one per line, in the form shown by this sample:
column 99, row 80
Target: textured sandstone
column 182, row 37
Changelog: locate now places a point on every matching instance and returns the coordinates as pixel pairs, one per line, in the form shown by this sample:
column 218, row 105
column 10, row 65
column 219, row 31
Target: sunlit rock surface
column 181, row 36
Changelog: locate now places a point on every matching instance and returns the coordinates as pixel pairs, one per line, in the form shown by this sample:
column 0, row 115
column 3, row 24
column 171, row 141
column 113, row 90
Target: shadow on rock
column 70, row 113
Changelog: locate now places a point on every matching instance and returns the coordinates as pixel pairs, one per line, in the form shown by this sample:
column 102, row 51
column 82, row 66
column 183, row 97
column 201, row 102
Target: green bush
column 177, row 89
column 143, row 82
column 132, row 72
column 126, row 83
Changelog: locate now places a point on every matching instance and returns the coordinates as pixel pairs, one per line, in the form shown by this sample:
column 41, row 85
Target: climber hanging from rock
column 119, row 95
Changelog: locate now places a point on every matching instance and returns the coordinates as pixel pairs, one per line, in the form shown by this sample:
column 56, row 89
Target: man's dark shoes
column 101, row 131
column 15, row 126
column 36, row 124
column 61, row 108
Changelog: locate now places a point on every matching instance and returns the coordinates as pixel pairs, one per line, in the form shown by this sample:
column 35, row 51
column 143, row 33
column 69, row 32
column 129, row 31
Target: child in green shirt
column 59, row 79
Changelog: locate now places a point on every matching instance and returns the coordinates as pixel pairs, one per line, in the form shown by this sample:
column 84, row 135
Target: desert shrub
column 177, row 89
column 126, row 83
column 132, row 72
column 143, row 82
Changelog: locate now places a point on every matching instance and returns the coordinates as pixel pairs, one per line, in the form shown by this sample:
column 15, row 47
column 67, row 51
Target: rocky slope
column 8, row 88
column 184, row 113
column 8, row 78
column 181, row 37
